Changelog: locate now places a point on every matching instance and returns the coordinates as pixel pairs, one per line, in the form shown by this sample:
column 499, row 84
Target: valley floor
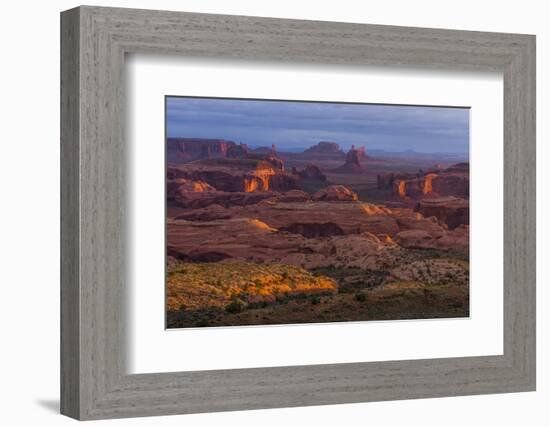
column 281, row 294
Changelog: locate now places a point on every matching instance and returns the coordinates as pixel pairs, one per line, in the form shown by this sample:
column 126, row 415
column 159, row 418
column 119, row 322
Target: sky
column 294, row 126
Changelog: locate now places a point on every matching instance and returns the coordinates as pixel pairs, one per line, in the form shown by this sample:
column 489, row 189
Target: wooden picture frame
column 94, row 382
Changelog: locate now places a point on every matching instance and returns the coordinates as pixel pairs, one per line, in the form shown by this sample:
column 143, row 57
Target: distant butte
column 353, row 161
column 325, row 147
column 311, row 171
column 182, row 150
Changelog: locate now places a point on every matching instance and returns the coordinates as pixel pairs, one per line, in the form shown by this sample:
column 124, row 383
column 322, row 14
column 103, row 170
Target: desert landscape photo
column 287, row 212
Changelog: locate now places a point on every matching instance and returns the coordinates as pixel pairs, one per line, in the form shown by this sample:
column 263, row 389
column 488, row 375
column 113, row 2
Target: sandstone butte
column 324, row 147
column 187, row 149
column 353, row 161
column 453, row 181
column 237, row 175
column 311, row 171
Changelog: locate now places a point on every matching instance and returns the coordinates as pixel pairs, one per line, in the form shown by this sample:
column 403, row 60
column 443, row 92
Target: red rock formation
column 238, row 151
column 274, row 160
column 459, row 168
column 385, row 181
column 236, row 175
column 314, row 229
column 424, row 239
column 179, row 186
column 312, row 171
column 253, row 240
column 401, row 187
column 453, row 211
column 243, row 238
column 291, row 196
column 184, row 150
column 335, row 193
column 211, row 213
column 324, row 147
column 452, row 184
column 453, row 181
column 191, row 200
column 181, row 150
column 353, row 163
column 313, row 234
column 352, row 158
column 362, row 153
column 414, row 221
column 351, row 217
column 427, row 185
column 214, row 200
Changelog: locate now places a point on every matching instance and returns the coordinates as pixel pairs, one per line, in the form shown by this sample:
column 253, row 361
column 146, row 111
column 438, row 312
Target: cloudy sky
column 297, row 125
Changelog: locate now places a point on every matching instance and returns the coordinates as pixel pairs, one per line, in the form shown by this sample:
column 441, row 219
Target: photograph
column 290, row 212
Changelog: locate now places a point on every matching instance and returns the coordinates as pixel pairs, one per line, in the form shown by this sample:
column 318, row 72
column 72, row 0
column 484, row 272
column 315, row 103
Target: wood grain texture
column 94, row 382
column 70, row 220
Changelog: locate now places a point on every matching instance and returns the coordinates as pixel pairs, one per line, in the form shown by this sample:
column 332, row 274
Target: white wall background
column 29, row 213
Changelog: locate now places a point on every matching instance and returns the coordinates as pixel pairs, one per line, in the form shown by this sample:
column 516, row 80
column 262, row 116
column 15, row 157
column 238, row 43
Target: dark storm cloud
column 297, row 125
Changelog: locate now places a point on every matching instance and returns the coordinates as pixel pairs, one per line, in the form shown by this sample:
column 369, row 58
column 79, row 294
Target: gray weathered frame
column 94, row 41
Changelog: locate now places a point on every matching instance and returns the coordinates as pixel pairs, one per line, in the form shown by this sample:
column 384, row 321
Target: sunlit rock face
column 236, row 175
column 453, row 181
column 415, row 187
column 256, row 182
column 179, row 186
column 400, row 187
column 335, row 193
column 427, row 185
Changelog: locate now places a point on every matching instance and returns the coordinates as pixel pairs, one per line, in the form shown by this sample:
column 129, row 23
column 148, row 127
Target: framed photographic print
column 262, row 213
column 285, row 227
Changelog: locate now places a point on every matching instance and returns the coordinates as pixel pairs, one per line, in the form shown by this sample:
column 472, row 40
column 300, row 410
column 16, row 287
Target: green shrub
column 361, row 297
column 234, row 307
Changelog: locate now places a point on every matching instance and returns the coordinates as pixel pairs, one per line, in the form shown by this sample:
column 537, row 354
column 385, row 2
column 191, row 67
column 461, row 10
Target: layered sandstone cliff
column 236, row 175
column 453, row 211
column 453, row 181
column 181, row 150
column 311, row 234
